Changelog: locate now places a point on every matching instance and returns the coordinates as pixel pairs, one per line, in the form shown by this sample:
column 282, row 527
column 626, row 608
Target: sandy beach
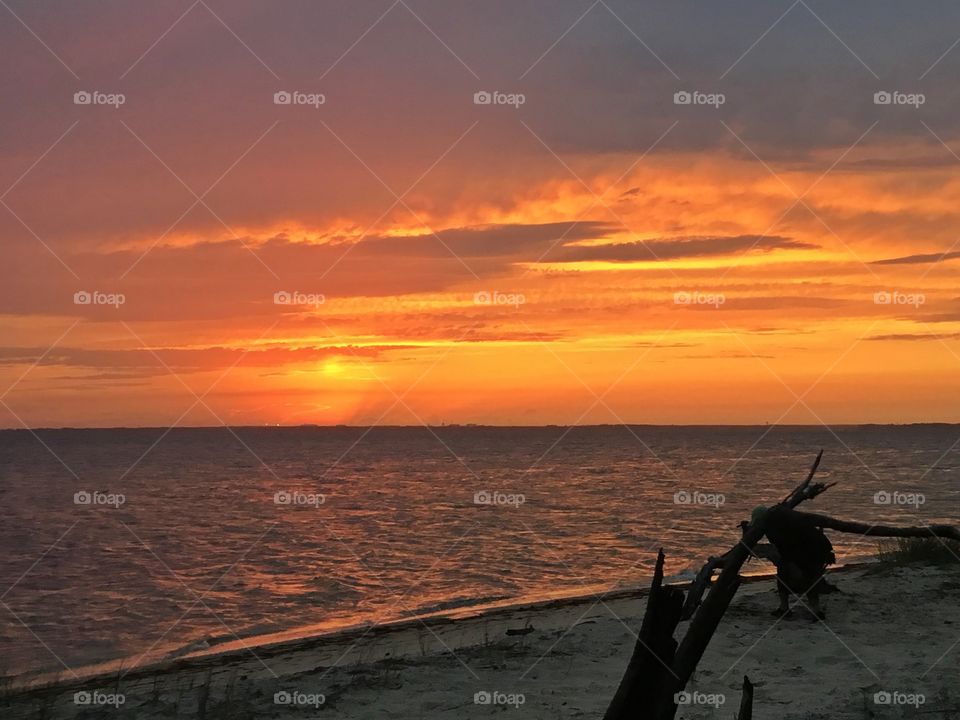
column 386, row 359
column 887, row 649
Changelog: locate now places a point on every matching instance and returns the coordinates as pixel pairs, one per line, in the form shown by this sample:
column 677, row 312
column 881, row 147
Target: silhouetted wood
column 707, row 618
column 700, row 583
column 660, row 667
column 850, row 526
column 649, row 666
column 807, row 490
column 746, row 700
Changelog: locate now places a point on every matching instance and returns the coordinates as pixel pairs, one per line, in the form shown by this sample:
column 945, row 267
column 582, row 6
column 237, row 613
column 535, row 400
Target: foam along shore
column 890, row 645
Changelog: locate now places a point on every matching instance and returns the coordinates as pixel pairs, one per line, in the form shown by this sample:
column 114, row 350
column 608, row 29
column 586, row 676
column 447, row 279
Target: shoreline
column 891, row 631
column 309, row 638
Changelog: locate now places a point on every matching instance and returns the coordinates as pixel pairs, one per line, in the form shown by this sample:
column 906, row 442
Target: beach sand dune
column 888, row 649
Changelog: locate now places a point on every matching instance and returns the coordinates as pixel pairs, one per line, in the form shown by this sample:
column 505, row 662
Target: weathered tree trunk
column 660, row 669
column 705, row 622
column 649, row 666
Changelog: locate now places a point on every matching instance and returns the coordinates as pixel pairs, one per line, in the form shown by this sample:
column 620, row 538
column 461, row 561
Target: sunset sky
column 790, row 255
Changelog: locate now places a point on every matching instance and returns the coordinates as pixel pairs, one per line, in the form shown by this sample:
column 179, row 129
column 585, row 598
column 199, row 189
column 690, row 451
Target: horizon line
column 429, row 426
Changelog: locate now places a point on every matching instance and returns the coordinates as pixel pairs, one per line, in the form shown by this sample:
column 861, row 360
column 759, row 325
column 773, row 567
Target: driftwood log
column 705, row 623
column 660, row 668
column 649, row 665
column 947, row 532
column 807, row 490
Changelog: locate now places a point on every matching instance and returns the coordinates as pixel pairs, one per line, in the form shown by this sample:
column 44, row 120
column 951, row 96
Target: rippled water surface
column 384, row 522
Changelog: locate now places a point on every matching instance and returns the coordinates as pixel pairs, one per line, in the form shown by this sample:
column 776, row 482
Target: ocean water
column 138, row 543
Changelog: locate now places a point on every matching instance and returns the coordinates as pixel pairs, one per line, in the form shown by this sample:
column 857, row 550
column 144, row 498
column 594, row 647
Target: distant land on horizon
column 342, row 426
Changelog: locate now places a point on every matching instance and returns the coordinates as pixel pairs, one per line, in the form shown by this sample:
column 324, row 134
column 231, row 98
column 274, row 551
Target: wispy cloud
column 675, row 248
column 920, row 259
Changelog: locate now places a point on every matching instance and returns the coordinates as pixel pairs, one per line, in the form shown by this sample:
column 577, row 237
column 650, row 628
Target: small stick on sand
column 746, row 700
